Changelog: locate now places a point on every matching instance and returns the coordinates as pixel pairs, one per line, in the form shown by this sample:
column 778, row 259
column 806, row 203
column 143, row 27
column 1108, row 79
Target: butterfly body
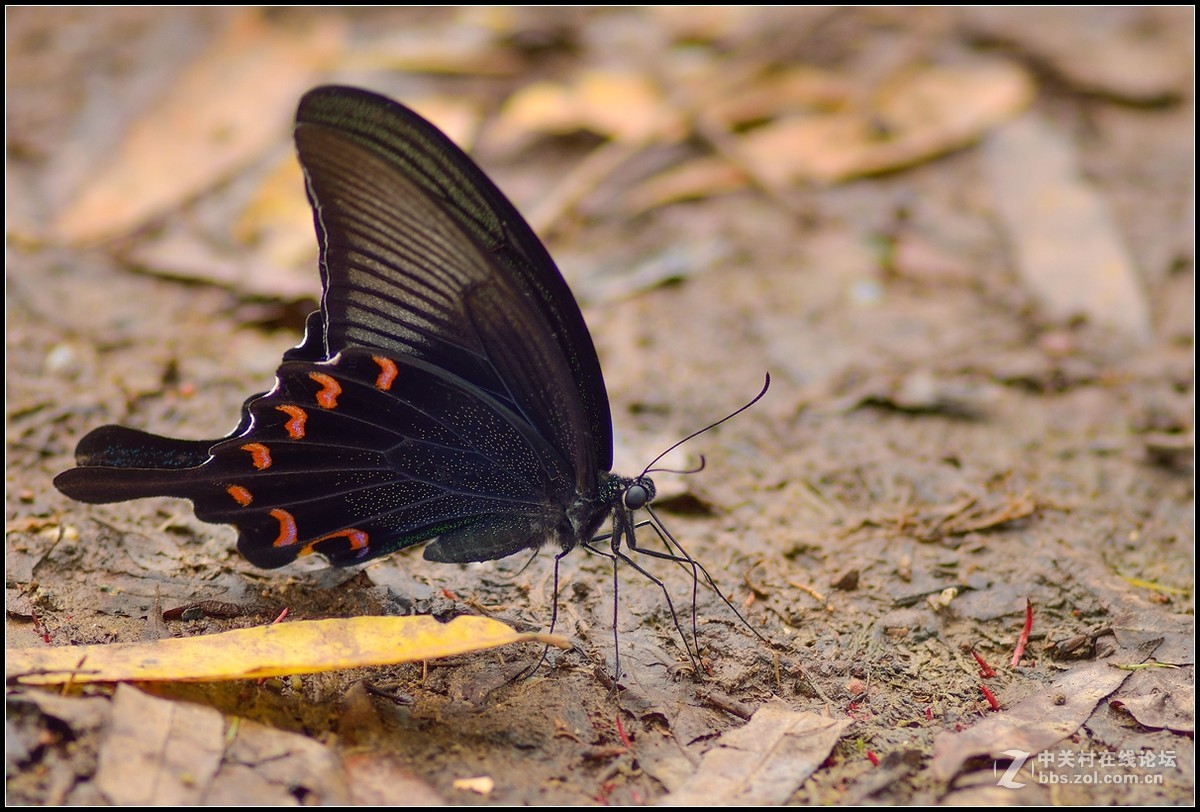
column 447, row 392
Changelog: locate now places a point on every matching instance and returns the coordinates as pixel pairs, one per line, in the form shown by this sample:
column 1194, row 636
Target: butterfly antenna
column 694, row 434
column 695, row 470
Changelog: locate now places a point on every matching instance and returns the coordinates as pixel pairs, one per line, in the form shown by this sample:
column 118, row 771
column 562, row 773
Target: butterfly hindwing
column 374, row 453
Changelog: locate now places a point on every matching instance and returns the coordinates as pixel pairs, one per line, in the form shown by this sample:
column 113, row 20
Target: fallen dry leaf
column 798, row 88
column 1033, row 724
column 468, row 42
column 278, row 221
column 224, row 110
column 763, row 762
column 916, row 116
column 816, row 133
column 1161, row 698
column 301, row 647
column 480, row 785
column 273, row 248
column 1134, row 67
column 378, row 778
column 168, row 753
column 621, row 105
column 157, row 752
column 1065, row 241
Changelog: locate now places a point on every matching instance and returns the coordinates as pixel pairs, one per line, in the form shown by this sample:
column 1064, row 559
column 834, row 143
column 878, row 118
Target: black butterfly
column 447, row 391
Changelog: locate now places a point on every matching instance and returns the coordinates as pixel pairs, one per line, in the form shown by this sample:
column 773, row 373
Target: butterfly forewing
column 355, row 145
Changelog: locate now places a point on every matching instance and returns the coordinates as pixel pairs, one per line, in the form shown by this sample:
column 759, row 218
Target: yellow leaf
column 301, row 647
column 481, row 785
column 278, row 221
column 616, row 104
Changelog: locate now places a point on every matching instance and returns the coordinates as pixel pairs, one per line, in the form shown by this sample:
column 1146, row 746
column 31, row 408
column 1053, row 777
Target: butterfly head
column 638, row 493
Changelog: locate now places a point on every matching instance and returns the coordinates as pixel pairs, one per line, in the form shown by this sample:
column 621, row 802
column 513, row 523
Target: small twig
column 726, row 703
column 70, row 681
column 817, row 596
column 759, row 591
column 1023, row 640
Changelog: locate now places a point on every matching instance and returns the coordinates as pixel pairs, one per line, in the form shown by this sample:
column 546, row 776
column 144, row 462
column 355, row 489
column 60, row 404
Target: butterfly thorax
column 615, row 494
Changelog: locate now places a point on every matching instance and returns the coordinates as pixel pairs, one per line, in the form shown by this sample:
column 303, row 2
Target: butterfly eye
column 638, row 494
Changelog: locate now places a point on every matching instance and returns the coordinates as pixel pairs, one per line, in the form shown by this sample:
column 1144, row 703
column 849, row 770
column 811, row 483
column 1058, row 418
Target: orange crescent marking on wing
column 287, row 528
column 387, row 372
column 240, row 495
column 330, row 389
column 260, row 455
column 295, row 426
column 359, row 540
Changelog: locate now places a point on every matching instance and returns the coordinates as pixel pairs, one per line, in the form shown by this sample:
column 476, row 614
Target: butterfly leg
column 684, row 559
column 553, row 615
column 591, row 548
column 623, row 528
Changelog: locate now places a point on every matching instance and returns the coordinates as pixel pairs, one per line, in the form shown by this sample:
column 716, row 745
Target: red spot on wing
column 240, row 495
column 260, row 455
column 295, row 426
column 387, row 372
column 359, row 540
column 330, row 389
column 287, row 528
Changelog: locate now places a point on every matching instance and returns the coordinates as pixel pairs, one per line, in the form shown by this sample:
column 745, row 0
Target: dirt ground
column 953, row 436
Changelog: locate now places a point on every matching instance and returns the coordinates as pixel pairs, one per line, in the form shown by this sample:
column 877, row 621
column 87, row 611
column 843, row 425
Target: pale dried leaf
column 918, row 116
column 797, row 89
column 378, row 778
column 224, row 110
column 277, row 222
column 264, row 766
column 1066, row 243
column 469, row 43
column 620, row 105
column 1033, row 724
column 158, row 753
column 1108, row 52
column 763, row 762
column 1161, row 697
column 701, row 178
